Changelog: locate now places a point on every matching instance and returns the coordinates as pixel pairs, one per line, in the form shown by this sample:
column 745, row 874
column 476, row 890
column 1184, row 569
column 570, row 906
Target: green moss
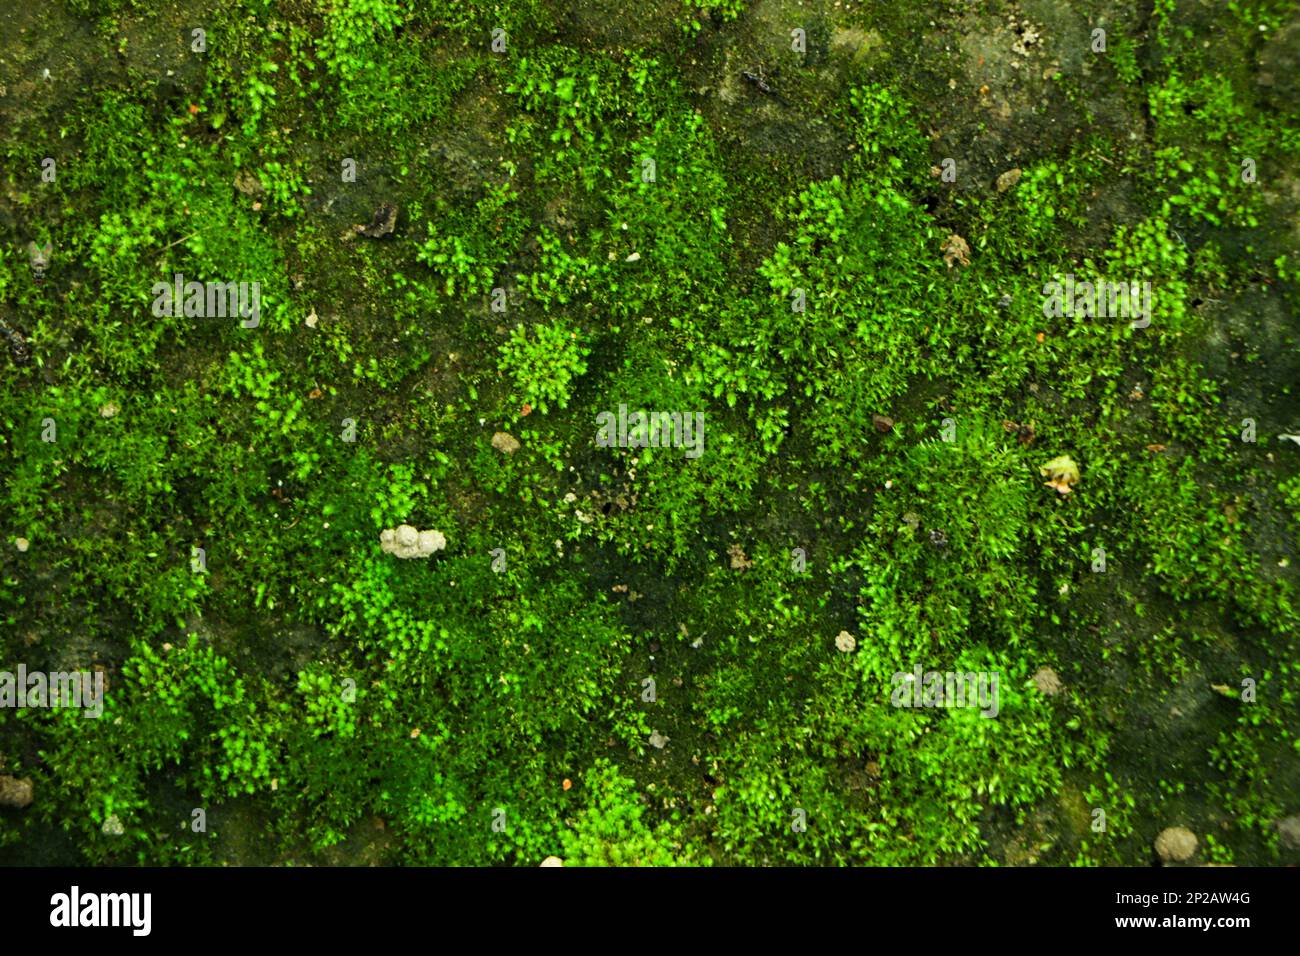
column 606, row 212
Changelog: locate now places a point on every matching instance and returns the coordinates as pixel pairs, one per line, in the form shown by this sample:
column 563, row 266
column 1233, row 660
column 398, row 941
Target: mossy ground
column 323, row 702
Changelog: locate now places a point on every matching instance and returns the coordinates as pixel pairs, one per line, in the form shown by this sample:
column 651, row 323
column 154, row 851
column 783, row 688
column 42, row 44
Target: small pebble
column 505, row 443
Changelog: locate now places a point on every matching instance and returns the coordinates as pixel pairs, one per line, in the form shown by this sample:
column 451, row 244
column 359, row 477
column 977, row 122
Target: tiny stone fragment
column 1008, row 179
column 405, row 541
column 955, row 249
column 1175, row 844
column 14, row 792
column 739, row 562
column 505, row 443
column 1047, row 681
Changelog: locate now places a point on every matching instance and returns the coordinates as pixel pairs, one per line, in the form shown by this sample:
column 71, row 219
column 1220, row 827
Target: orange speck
column 415, row 733
column 526, row 410
column 1040, row 336
column 314, row 393
column 194, row 110
column 567, row 783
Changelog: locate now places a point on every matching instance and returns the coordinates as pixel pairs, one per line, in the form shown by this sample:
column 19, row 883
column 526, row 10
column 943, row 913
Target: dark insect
column 1025, row 433
column 760, row 82
column 383, row 223
column 938, row 539
column 17, row 345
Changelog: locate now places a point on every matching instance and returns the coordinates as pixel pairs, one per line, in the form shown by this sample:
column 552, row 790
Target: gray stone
column 505, row 443
column 405, row 541
column 15, row 793
column 1175, row 844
